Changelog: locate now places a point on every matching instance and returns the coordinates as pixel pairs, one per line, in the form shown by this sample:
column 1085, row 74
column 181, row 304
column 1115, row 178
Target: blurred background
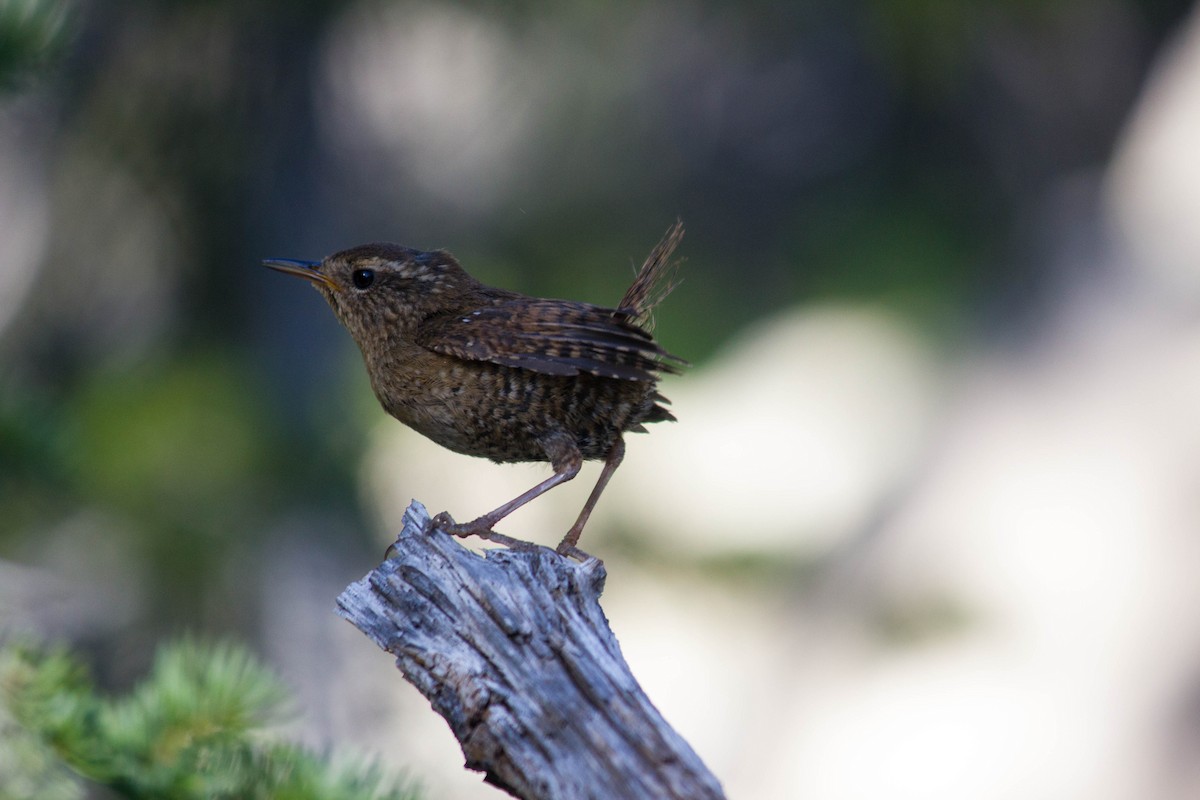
column 929, row 523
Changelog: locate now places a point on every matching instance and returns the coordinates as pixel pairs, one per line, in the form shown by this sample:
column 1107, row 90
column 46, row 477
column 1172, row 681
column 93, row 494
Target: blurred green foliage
column 181, row 444
column 33, row 35
column 196, row 727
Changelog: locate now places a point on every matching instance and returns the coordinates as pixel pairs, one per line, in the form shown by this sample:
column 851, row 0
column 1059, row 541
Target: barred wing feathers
column 551, row 337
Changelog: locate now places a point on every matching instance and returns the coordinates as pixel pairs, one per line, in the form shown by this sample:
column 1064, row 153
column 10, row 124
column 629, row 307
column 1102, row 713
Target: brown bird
column 497, row 374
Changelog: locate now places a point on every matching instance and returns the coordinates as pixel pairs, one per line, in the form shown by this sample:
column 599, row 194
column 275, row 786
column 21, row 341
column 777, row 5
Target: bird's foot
column 571, row 551
column 481, row 527
column 567, row 546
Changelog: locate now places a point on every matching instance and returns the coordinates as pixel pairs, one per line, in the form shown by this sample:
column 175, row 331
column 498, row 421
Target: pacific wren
column 497, row 374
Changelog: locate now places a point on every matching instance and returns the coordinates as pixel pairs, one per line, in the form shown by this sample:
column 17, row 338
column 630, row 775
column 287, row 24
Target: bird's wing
column 551, row 337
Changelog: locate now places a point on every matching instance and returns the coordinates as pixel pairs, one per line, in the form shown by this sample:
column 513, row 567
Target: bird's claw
column 571, row 551
column 481, row 527
column 441, row 522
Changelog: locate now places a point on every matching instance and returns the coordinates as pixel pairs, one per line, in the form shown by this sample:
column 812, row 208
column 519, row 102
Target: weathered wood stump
column 513, row 651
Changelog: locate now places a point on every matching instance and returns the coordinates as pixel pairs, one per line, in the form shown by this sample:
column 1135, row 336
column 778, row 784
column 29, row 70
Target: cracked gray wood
column 513, row 651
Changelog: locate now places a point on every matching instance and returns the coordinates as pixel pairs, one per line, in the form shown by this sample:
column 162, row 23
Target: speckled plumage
column 496, row 374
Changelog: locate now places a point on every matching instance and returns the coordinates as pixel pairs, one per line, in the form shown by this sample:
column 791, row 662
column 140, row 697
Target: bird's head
column 380, row 289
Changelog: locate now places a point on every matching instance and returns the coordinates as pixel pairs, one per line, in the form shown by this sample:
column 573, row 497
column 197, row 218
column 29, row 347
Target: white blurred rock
column 785, row 442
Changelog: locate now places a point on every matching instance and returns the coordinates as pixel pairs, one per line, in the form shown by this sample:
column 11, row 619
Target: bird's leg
column 566, row 460
column 613, row 460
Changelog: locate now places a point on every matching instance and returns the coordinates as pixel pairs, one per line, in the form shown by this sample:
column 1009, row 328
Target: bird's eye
column 363, row 278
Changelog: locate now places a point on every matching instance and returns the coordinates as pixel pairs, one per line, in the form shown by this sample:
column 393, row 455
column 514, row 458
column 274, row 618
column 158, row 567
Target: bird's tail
column 655, row 279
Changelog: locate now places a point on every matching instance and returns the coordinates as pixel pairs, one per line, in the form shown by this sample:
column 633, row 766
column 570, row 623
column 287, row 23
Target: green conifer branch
column 193, row 728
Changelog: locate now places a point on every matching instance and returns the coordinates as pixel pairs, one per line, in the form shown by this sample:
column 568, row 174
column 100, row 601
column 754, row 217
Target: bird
column 501, row 375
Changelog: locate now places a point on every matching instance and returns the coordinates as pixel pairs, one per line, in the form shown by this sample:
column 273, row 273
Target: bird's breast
column 502, row 413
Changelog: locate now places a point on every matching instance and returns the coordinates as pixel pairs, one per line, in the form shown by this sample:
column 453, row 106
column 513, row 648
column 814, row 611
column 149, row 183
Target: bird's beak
column 303, row 269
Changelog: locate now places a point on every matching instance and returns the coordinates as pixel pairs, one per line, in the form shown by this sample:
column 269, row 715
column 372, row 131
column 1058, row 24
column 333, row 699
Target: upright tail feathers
column 655, row 279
